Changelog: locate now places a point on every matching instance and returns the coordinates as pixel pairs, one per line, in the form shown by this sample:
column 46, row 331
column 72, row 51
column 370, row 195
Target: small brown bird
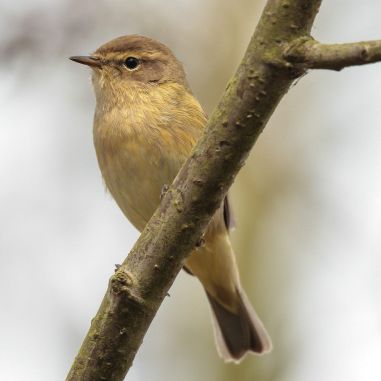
column 146, row 124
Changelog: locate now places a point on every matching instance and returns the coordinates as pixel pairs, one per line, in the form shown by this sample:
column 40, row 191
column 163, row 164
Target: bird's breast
column 142, row 136
column 136, row 161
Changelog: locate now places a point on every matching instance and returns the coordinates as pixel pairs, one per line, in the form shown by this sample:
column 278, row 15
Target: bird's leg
column 164, row 190
column 201, row 241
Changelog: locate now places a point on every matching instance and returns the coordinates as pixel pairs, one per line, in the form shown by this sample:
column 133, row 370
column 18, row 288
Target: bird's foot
column 164, row 190
column 201, row 242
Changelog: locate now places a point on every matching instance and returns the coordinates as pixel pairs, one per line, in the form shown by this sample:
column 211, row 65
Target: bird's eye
column 131, row 63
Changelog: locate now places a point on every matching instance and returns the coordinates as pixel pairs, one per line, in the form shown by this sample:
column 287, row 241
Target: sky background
column 307, row 204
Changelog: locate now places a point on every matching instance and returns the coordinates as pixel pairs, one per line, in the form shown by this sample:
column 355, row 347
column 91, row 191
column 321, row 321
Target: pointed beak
column 87, row 60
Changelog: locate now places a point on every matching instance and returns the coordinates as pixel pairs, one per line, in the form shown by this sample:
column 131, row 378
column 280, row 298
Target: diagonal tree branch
column 140, row 284
column 307, row 53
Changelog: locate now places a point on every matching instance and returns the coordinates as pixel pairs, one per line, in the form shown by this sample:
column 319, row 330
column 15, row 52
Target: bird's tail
column 237, row 333
column 237, row 328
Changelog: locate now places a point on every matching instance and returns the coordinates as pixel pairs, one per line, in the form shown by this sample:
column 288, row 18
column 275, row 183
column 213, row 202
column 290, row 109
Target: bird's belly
column 135, row 177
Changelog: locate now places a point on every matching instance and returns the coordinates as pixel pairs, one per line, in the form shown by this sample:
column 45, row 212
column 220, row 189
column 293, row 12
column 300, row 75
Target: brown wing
column 229, row 221
column 228, row 214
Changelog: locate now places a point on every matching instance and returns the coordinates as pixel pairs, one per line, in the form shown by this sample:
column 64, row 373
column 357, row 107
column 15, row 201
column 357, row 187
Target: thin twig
column 307, row 53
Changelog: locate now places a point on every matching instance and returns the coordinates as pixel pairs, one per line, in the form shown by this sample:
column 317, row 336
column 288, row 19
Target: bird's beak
column 87, row 60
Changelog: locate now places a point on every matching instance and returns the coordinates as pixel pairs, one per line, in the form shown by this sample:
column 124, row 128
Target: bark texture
column 280, row 51
column 308, row 53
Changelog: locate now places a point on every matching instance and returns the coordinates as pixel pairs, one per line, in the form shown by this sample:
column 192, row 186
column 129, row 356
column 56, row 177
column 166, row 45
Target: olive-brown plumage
column 145, row 126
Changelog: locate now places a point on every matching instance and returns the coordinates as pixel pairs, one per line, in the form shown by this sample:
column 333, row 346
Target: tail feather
column 238, row 333
column 237, row 328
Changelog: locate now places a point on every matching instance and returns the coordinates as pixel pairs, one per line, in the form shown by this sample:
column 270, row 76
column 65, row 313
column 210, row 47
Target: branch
column 140, row 284
column 307, row 53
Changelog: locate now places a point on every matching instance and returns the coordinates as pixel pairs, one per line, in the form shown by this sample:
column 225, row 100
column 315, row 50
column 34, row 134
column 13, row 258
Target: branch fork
column 307, row 53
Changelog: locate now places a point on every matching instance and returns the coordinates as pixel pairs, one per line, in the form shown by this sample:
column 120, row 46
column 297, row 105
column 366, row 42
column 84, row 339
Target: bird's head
column 131, row 62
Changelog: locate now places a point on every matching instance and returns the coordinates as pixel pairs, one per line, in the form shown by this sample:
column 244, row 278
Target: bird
column 146, row 123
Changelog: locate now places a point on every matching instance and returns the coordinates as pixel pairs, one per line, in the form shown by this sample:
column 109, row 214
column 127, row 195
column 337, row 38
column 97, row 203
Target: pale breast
column 141, row 147
column 134, row 173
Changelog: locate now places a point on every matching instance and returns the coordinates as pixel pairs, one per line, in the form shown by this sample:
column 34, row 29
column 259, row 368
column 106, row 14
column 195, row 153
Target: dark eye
column 131, row 63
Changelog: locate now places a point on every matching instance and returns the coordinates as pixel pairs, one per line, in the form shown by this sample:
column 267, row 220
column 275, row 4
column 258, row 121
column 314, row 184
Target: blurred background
column 308, row 202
